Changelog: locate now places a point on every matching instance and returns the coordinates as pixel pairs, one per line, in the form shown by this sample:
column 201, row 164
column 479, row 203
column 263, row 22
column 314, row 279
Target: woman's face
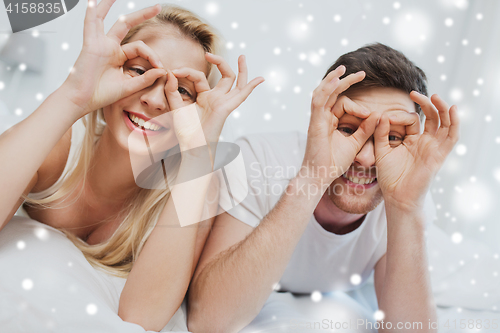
column 175, row 51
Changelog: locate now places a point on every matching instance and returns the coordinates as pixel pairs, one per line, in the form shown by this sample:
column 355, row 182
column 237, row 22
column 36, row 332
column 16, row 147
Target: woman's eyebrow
column 188, row 82
column 139, row 60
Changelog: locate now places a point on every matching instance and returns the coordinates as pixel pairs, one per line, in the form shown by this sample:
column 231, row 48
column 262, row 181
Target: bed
column 48, row 286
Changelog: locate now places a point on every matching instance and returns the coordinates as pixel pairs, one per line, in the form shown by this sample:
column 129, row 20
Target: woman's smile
column 138, row 122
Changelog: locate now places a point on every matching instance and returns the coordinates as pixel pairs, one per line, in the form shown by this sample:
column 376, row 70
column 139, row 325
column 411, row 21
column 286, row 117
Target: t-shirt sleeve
column 254, row 207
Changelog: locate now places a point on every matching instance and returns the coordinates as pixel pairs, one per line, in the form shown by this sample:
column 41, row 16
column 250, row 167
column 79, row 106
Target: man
column 356, row 201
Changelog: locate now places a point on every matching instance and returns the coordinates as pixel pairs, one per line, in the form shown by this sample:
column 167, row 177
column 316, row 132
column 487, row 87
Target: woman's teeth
column 141, row 123
column 361, row 181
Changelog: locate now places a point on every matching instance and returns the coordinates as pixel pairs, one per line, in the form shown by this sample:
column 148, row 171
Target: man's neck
column 335, row 220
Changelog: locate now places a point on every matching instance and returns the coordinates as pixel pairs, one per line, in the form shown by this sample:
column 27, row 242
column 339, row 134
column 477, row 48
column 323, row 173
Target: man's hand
column 329, row 152
column 405, row 171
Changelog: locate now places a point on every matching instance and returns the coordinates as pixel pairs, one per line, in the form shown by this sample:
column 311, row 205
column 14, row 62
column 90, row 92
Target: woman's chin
column 141, row 143
column 137, row 146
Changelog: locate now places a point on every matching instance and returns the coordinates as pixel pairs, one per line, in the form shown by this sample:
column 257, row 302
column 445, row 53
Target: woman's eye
column 183, row 91
column 346, row 130
column 137, row 70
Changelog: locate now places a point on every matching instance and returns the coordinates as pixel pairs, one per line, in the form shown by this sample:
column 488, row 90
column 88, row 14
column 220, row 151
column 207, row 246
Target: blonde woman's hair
column 117, row 255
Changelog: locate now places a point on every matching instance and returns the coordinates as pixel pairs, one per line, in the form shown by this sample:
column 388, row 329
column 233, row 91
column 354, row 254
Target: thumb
column 381, row 135
column 143, row 81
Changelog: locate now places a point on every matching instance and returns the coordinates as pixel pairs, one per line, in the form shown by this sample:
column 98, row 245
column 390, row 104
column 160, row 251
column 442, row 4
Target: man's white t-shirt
column 322, row 261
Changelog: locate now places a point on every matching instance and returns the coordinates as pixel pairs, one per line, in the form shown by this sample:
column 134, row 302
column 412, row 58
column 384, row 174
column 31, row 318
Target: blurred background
column 291, row 43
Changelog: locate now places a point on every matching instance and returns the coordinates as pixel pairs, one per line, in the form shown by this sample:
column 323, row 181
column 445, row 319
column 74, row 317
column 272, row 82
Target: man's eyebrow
column 400, row 107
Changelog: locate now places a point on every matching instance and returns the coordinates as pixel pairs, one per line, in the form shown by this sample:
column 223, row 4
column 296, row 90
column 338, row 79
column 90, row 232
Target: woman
column 150, row 62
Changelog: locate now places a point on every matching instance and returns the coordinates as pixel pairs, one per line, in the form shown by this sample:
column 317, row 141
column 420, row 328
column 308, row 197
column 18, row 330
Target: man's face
column 357, row 190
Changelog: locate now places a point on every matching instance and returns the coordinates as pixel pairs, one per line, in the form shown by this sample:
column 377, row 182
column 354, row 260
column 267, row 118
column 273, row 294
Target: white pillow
column 47, row 285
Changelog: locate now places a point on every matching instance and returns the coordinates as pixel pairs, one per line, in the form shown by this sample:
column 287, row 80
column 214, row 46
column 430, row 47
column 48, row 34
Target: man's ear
column 420, row 113
column 421, row 116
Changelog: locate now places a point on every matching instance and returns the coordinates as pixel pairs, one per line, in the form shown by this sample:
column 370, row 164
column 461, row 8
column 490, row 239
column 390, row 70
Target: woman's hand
column 404, row 173
column 97, row 78
column 214, row 104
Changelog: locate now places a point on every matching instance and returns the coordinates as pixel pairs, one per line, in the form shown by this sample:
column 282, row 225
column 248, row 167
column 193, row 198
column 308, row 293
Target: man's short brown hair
column 384, row 67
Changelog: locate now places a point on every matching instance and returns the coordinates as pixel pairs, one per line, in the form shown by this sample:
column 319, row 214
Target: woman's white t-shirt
column 322, row 261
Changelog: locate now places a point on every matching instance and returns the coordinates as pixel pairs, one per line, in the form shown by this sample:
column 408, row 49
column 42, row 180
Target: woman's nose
column 154, row 98
column 366, row 156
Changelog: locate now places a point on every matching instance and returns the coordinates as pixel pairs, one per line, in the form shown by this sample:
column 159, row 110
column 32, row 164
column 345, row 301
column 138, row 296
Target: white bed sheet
column 47, row 285
column 465, row 287
column 287, row 313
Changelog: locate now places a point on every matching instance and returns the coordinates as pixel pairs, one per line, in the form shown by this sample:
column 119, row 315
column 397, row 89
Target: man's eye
column 393, row 137
column 137, row 70
column 183, row 91
column 395, row 140
column 346, row 130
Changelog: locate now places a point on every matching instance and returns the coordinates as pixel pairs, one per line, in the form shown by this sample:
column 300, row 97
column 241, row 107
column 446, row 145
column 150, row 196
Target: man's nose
column 366, row 156
column 154, row 98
